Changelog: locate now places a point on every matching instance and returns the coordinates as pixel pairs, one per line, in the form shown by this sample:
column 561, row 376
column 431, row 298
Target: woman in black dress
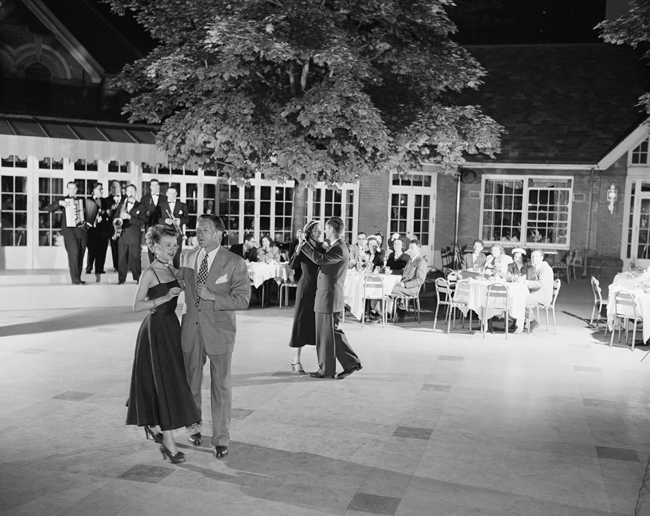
column 304, row 319
column 160, row 395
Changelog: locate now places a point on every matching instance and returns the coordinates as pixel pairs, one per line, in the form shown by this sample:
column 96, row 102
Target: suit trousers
column 97, row 247
column 128, row 258
column 220, row 387
column 75, row 246
column 332, row 344
column 114, row 253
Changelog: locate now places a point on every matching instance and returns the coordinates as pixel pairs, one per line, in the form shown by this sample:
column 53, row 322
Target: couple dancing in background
column 320, row 300
column 169, row 357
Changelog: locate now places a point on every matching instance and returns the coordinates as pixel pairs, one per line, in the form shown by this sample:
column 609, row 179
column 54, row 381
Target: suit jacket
column 152, row 211
column 469, row 260
column 79, row 232
column 228, row 279
column 180, row 212
column 542, row 282
column 237, row 249
column 104, row 227
column 331, row 277
column 131, row 228
column 415, row 273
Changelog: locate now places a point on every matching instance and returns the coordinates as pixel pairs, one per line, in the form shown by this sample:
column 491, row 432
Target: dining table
column 353, row 290
column 640, row 289
column 259, row 272
column 475, row 298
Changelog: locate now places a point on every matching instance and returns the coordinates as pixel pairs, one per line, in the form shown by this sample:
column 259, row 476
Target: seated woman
column 397, row 259
column 498, row 261
column 518, row 267
column 374, row 254
column 267, row 252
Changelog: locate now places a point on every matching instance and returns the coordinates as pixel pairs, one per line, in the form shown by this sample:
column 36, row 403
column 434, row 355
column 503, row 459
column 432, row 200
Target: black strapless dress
column 159, row 392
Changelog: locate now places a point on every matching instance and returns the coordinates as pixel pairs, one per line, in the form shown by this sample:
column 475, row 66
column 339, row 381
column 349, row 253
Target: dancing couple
column 169, row 356
column 320, row 300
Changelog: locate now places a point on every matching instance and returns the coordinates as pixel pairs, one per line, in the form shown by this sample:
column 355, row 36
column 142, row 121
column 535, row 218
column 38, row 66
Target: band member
column 99, row 234
column 114, row 199
column 131, row 212
column 152, row 202
column 174, row 213
column 74, row 237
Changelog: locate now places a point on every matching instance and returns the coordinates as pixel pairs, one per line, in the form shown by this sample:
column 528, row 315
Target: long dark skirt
column 304, row 323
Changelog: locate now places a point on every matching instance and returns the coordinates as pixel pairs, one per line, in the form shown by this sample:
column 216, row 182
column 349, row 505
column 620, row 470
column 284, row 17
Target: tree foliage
column 306, row 89
column 632, row 29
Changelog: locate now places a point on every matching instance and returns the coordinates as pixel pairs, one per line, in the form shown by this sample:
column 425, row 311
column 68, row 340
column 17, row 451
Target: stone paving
column 457, row 424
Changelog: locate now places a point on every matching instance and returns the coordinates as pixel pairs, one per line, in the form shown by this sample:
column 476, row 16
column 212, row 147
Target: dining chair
column 406, row 298
column 371, row 283
column 285, row 286
column 495, row 292
column 443, row 298
column 263, row 287
column 599, row 302
column 551, row 306
column 445, row 257
column 625, row 305
column 564, row 266
column 462, row 292
column 572, row 264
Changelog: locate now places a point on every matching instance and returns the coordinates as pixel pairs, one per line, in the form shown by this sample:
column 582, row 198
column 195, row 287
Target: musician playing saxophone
column 132, row 213
column 174, row 213
column 75, row 237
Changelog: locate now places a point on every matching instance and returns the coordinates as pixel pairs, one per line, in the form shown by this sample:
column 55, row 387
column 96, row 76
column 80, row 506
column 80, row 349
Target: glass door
column 411, row 215
column 641, row 245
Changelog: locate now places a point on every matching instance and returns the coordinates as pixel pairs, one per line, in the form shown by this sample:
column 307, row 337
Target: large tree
column 310, row 90
column 632, row 29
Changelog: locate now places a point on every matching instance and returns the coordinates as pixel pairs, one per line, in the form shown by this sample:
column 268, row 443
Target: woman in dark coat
column 304, row 319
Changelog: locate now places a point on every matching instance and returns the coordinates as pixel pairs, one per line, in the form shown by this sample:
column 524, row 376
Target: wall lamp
column 612, row 195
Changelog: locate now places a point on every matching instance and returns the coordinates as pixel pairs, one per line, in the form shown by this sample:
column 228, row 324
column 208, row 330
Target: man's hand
column 401, row 284
column 169, row 221
column 205, row 293
column 61, row 202
column 126, row 215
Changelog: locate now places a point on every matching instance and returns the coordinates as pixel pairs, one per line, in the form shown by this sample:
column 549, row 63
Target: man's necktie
column 203, row 274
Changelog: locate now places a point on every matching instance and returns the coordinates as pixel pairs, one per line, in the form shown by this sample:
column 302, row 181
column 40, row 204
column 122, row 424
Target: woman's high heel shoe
column 156, row 436
column 174, row 459
column 296, row 367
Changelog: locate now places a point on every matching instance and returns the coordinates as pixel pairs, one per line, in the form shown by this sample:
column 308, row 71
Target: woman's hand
column 173, row 292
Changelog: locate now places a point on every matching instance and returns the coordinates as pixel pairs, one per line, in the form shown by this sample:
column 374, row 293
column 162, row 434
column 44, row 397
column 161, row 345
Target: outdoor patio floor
column 455, row 424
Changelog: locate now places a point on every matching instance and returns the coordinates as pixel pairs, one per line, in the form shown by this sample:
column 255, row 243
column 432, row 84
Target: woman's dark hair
column 155, row 233
column 268, row 237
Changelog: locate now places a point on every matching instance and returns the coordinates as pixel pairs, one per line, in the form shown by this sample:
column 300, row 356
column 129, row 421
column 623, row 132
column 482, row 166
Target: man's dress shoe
column 400, row 315
column 195, row 439
column 220, row 452
column 348, row 372
column 318, row 375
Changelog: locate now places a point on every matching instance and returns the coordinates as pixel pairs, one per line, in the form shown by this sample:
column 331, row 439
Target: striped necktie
column 203, row 274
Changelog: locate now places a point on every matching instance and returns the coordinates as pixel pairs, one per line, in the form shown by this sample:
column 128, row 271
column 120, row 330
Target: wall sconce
column 611, row 197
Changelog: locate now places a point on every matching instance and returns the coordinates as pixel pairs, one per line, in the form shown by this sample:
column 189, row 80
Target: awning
column 90, row 141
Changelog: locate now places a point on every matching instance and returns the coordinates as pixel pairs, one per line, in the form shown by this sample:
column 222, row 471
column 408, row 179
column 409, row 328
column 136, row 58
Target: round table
column 353, row 290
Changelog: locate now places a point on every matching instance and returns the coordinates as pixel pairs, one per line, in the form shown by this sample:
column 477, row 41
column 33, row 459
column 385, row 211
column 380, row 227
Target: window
column 116, row 166
column 82, row 164
column 412, row 180
column 50, row 190
column 349, row 215
column 640, row 153
column 85, row 186
column 14, row 211
column 192, row 202
column 13, row 162
column 283, row 213
column 50, row 164
column 228, row 210
column 535, row 211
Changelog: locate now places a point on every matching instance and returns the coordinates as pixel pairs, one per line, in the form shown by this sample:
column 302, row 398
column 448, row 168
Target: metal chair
column 495, row 291
column 565, row 265
column 446, row 257
column 551, row 306
column 593, row 262
column 624, row 303
column 284, row 287
column 416, row 305
column 373, row 282
column 263, row 287
column 462, row 290
column 599, row 302
column 443, row 298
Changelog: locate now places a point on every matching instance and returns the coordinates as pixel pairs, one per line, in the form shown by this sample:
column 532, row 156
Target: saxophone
column 118, row 223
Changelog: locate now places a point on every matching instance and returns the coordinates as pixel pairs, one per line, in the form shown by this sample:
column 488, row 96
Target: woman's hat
column 518, row 250
column 309, row 226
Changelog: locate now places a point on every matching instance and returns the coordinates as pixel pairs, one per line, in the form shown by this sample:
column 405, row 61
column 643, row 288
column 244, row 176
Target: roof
column 566, row 104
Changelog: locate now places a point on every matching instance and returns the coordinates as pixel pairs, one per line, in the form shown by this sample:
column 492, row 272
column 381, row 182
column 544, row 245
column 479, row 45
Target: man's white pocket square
column 222, row 279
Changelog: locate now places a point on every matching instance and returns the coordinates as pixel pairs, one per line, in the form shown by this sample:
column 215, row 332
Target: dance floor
column 433, row 424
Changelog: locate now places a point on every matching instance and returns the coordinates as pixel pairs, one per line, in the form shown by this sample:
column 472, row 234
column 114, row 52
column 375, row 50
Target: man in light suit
column 413, row 277
column 331, row 342
column 180, row 217
column 541, row 285
column 216, row 284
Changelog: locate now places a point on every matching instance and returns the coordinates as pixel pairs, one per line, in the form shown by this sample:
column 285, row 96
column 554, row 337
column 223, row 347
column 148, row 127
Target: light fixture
column 612, row 194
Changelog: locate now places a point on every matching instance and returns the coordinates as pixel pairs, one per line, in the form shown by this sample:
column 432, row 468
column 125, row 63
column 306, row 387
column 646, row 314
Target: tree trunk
column 299, row 208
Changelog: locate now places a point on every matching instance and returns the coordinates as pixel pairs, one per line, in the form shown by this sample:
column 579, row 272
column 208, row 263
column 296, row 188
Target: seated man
column 498, row 261
column 358, row 249
column 244, row 248
column 414, row 275
column 476, row 259
column 541, row 285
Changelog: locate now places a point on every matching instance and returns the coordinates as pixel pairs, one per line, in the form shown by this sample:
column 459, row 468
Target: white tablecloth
column 353, row 290
column 260, row 272
column 627, row 281
column 517, row 294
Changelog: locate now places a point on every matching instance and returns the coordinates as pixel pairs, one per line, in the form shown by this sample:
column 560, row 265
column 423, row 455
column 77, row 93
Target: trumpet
column 174, row 223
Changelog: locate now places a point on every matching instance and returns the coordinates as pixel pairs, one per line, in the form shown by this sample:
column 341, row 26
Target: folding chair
column 599, row 302
column 462, row 290
column 624, row 310
column 416, row 305
column 443, row 298
column 495, row 292
column 372, row 283
column 551, row 306
column 284, row 287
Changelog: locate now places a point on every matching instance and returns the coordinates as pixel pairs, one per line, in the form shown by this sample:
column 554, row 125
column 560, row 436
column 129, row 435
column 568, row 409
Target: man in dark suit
column 152, row 205
column 331, row 342
column 75, row 237
column 114, row 201
column 128, row 244
column 476, row 259
column 99, row 234
column 244, row 249
column 413, row 277
column 178, row 209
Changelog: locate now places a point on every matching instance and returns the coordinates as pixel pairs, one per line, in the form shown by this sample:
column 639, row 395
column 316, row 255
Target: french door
column 641, row 231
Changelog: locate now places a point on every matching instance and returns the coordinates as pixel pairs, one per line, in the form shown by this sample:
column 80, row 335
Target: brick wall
column 373, row 204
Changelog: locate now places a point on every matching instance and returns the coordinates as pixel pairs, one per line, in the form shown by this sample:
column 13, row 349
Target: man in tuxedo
column 413, row 277
column 114, row 201
column 152, row 204
column 128, row 244
column 178, row 209
column 99, row 234
column 75, row 237
column 331, row 342
column 216, row 284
